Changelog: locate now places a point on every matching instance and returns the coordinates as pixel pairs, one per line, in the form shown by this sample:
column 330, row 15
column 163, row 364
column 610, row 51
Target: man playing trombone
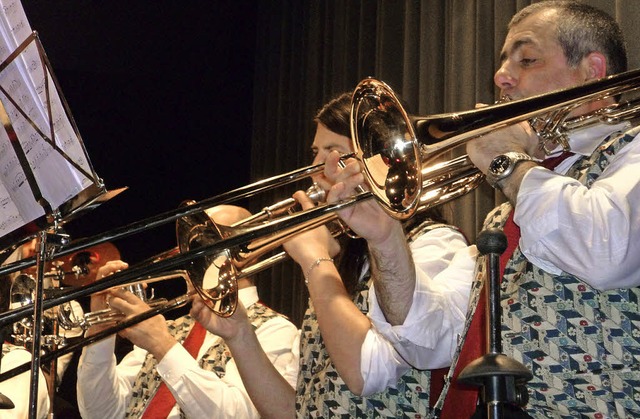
column 570, row 275
column 176, row 367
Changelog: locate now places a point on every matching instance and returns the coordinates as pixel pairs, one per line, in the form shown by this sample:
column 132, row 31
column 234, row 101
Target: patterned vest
column 582, row 345
column 321, row 392
column 215, row 359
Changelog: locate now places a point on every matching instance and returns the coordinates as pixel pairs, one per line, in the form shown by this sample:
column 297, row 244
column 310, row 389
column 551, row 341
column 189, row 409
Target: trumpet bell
column 82, row 267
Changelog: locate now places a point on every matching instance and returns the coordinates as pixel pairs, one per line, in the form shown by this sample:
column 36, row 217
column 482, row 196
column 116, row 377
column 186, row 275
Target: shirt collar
column 584, row 141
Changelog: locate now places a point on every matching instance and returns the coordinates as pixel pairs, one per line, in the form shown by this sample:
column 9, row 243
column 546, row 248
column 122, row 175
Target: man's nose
column 505, row 77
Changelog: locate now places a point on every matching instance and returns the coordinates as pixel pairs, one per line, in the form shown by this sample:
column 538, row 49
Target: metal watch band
column 502, row 166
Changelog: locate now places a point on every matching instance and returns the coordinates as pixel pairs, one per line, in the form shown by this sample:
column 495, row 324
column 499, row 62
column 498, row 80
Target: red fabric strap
column 436, row 384
column 163, row 401
column 461, row 400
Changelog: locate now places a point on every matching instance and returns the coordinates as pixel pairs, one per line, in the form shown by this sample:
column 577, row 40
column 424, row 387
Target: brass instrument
column 68, row 319
column 398, row 154
column 215, row 276
column 395, row 148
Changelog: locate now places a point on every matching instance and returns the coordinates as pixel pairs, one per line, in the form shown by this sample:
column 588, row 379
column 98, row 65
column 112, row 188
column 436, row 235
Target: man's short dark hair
column 581, row 30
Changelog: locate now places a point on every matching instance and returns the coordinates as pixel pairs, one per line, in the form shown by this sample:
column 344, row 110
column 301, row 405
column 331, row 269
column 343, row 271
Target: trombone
column 397, row 152
column 394, row 147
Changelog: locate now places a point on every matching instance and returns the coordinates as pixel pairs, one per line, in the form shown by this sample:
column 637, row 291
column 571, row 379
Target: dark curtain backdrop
column 439, row 56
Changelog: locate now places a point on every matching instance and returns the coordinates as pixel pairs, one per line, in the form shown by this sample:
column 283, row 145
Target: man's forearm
column 394, row 276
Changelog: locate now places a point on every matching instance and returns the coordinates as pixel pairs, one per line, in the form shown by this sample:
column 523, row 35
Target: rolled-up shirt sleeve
column 381, row 364
column 445, row 267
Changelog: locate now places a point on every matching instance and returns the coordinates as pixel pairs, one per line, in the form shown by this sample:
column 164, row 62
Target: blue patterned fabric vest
column 582, row 345
column 321, row 392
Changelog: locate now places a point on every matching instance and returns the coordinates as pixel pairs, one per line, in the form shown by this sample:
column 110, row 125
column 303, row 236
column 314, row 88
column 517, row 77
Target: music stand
column 46, row 176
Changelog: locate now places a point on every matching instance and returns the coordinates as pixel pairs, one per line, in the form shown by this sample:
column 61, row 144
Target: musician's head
column 227, row 215
column 558, row 44
column 332, row 128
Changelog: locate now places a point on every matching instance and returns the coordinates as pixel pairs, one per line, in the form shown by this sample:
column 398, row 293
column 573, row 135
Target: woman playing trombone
column 351, row 337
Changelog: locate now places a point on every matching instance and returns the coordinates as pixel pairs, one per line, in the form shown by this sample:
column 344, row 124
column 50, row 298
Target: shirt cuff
column 176, row 362
column 541, row 214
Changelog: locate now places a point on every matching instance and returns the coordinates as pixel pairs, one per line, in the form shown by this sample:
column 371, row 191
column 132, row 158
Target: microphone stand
column 502, row 379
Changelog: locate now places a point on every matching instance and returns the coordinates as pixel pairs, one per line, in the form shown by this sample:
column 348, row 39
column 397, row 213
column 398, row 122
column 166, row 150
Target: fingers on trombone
column 347, row 185
column 322, row 182
column 331, row 163
column 196, row 306
column 336, row 170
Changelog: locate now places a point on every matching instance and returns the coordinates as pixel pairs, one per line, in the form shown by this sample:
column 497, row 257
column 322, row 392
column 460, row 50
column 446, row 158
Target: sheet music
column 29, row 97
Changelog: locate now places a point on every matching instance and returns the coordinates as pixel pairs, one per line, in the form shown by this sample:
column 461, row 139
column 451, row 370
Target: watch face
column 499, row 164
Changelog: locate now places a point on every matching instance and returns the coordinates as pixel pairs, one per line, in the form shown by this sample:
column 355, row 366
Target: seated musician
column 17, row 345
column 166, row 375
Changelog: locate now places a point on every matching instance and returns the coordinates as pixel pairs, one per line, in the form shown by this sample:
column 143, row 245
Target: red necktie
column 163, row 401
column 461, row 400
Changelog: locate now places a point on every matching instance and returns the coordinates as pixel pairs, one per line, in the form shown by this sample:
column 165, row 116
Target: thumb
column 303, row 199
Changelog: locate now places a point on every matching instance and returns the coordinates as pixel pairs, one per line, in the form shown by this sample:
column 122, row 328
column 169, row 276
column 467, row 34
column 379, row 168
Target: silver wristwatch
column 502, row 166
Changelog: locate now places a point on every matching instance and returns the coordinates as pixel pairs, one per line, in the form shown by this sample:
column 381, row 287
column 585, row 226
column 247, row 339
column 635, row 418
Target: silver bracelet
column 313, row 266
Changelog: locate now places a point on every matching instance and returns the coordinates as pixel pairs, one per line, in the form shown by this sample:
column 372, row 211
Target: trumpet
column 69, row 319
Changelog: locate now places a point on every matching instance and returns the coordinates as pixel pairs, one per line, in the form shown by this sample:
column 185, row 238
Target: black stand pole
column 502, row 379
column 45, row 240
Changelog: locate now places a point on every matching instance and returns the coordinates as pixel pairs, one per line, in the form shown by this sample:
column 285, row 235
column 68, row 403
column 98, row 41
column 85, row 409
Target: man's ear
column 595, row 66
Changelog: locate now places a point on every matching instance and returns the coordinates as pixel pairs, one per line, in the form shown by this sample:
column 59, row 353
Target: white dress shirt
column 17, row 389
column 428, row 337
column 104, row 389
column 593, row 233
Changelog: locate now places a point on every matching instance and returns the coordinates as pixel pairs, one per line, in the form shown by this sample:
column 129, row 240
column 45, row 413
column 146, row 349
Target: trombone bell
column 384, row 141
column 214, row 276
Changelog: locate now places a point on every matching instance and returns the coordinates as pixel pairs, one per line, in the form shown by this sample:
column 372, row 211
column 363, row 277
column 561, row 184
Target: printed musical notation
column 37, row 131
